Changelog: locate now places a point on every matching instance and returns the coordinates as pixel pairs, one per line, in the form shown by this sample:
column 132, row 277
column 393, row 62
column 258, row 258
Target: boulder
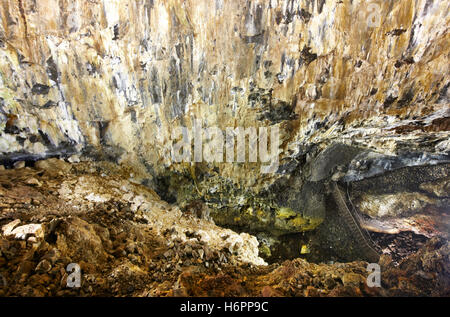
column 26, row 231
column 53, row 165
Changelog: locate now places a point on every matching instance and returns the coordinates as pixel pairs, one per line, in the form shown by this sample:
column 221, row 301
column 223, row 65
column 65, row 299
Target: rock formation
column 358, row 91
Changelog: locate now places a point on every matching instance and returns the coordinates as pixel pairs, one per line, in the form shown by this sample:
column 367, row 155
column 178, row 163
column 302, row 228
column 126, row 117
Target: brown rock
column 268, row 291
column 78, row 240
column 352, row 279
column 25, row 268
column 19, row 164
column 53, row 165
column 43, row 267
column 53, row 255
column 33, row 182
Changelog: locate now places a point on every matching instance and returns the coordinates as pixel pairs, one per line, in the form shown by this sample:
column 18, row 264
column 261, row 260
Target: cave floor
column 128, row 242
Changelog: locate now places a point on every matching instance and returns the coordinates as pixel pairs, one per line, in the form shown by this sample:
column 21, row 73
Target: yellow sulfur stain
column 304, row 249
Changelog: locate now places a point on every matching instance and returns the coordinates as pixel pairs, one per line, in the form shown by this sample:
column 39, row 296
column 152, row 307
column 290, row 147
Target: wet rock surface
column 128, row 242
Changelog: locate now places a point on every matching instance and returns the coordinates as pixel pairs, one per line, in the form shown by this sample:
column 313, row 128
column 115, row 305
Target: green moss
column 235, row 207
column 285, row 213
column 291, row 221
column 264, row 251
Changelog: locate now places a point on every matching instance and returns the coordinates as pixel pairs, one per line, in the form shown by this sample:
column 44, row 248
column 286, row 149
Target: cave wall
column 114, row 77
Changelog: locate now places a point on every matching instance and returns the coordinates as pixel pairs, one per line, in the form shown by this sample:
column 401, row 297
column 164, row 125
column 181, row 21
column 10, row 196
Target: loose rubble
column 128, row 242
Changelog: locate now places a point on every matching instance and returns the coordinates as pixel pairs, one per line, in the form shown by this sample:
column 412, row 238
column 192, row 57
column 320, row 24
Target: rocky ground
column 128, row 242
